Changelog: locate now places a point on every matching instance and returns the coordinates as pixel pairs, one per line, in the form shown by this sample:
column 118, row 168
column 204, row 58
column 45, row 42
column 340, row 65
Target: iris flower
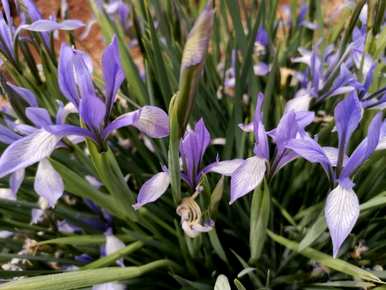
column 342, row 205
column 75, row 81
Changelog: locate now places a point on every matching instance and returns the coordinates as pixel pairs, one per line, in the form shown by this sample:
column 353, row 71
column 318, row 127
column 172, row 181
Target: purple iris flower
column 251, row 171
column 34, row 144
column 75, row 82
column 192, row 150
column 342, row 205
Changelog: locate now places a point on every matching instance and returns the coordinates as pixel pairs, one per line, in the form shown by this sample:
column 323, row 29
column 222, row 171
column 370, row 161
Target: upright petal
column 348, row 114
column 27, row 151
column 48, row 183
column 365, row 148
column 341, row 212
column 66, row 77
column 247, row 177
column 112, row 73
column 152, row 189
column 192, row 149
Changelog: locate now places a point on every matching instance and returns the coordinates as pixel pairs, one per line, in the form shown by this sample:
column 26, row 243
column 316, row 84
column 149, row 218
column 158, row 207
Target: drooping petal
column 48, row 183
column 26, row 94
column 225, row 168
column 247, row 177
column 124, row 120
column 192, row 149
column 38, row 116
column 69, row 130
column 112, row 73
column 341, row 212
column 27, row 151
column 16, row 180
column 348, row 114
column 152, row 189
column 310, row 150
column 365, row 148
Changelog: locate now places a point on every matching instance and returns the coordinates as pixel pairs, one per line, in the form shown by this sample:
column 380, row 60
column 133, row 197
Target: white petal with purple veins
column 48, row 183
column 341, row 212
column 153, row 121
column 27, row 151
column 226, row 167
column 152, row 189
column 247, row 177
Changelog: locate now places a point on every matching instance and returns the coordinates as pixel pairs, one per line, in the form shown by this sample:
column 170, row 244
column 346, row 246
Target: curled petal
column 152, row 189
column 48, row 183
column 226, row 167
column 341, row 212
column 247, row 177
column 27, row 151
column 192, row 230
column 153, row 121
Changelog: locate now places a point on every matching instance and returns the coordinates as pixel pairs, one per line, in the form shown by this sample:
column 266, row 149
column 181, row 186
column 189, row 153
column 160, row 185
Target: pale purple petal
column 310, row 150
column 66, row 228
column 124, row 120
column 153, row 121
column 348, row 114
column 112, row 73
column 152, row 189
column 26, row 94
column 365, row 148
column 225, row 168
column 37, row 215
column 247, row 177
column 247, row 127
column 27, row 151
column 66, row 77
column 299, row 103
column 109, row 286
column 192, row 149
column 38, row 116
column 7, row 136
column 341, row 212
column 261, row 69
column 69, row 130
column 46, row 25
column 48, row 183
column 332, row 155
column 16, row 180
column 64, row 111
column 114, row 244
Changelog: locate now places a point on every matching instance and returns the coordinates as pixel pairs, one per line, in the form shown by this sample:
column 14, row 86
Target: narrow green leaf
column 326, row 260
column 79, row 279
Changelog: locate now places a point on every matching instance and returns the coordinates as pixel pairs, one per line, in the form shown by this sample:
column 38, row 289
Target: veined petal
column 27, row 151
column 69, row 130
column 48, row 183
column 225, row 168
column 247, row 177
column 332, row 155
column 38, row 116
column 152, row 189
column 341, row 212
column 124, row 120
column 153, row 121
